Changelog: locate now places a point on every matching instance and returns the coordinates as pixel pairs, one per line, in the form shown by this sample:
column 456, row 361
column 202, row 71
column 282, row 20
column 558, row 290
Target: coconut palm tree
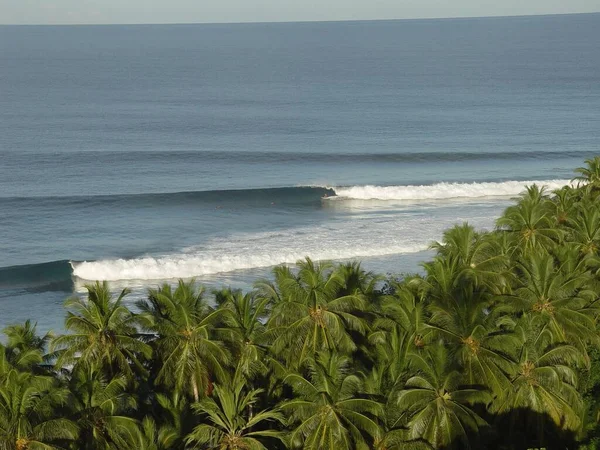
column 307, row 314
column 329, row 410
column 355, row 280
column 154, row 437
column 400, row 328
column 439, row 285
column 246, row 318
column 565, row 200
column 460, row 290
column 29, row 413
column 546, row 380
column 435, row 405
column 24, row 350
column 394, row 436
column 103, row 333
column 228, row 420
column 189, row 357
column 479, row 259
column 477, row 341
column 102, row 408
column 529, row 222
column 559, row 297
column 175, row 419
column 589, row 175
column 585, row 229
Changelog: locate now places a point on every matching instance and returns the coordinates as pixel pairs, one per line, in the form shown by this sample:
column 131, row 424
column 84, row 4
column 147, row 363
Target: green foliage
column 436, row 405
column 495, row 345
column 329, row 411
column 28, row 406
column 312, row 311
column 229, row 422
column 103, row 333
column 589, row 176
column 189, row 357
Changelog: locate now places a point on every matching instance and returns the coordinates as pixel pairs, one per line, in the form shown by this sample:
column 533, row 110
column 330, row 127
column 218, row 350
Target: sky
column 222, row 11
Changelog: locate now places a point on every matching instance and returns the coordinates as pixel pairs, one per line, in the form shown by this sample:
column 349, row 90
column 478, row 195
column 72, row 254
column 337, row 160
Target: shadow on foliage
column 523, row 429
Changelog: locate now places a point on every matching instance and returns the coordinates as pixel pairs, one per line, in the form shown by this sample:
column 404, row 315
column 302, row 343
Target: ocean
column 142, row 154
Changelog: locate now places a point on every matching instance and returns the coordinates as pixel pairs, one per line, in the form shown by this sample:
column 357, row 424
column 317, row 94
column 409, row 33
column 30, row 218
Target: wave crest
column 441, row 191
column 193, row 265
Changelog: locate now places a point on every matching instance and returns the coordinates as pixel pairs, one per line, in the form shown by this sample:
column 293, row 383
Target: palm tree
column 228, row 420
column 439, row 284
column 153, row 437
column 174, row 414
column 102, row 408
column 477, row 341
column 394, row 435
column 435, row 405
column 246, row 318
column 585, row 229
column 561, row 298
column 308, row 316
column 529, row 222
column 590, row 175
column 464, row 316
column 29, row 415
column 103, row 333
column 355, row 280
column 24, row 350
column 399, row 328
column 565, row 200
column 477, row 256
column 329, row 411
column 546, row 381
column 188, row 356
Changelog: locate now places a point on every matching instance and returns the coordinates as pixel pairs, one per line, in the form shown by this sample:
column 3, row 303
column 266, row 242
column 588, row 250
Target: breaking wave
column 440, row 191
column 193, row 265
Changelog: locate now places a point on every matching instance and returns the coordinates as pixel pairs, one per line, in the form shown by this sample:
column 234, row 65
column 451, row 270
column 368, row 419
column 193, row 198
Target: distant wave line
column 309, row 193
column 267, row 195
column 281, row 157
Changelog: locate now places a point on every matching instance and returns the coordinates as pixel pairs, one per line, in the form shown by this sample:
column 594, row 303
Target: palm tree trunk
column 195, row 390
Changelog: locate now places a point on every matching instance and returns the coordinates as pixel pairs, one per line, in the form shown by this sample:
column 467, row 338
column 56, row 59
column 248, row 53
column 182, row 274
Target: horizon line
column 292, row 21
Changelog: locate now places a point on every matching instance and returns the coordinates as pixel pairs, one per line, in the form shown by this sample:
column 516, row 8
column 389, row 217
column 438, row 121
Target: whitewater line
column 193, row 265
column 444, row 190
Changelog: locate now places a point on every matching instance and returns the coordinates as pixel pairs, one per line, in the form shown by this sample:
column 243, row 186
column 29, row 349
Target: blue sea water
column 139, row 153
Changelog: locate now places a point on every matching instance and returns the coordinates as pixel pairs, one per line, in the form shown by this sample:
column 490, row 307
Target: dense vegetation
column 495, row 346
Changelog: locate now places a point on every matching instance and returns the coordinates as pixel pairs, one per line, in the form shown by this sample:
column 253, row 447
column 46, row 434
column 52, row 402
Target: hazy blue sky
column 178, row 11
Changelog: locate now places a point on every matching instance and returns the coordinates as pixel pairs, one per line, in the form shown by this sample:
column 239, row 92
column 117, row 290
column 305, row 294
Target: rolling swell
column 281, row 157
column 50, row 276
column 299, row 196
column 246, row 197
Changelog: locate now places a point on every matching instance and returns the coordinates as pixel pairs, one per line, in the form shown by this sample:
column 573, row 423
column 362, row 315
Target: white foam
column 189, row 265
column 346, row 235
column 442, row 190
